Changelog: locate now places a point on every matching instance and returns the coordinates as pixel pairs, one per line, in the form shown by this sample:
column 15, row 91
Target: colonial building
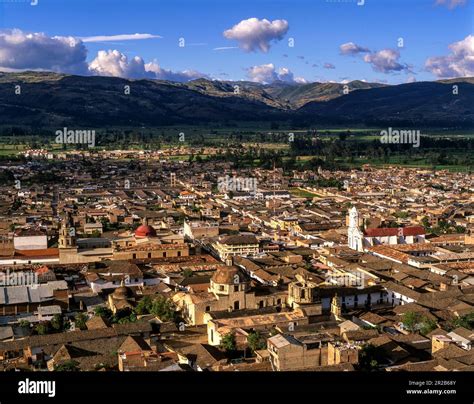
column 241, row 245
column 288, row 353
column 143, row 244
column 230, row 289
column 122, row 298
column 361, row 239
column 30, row 239
column 289, row 320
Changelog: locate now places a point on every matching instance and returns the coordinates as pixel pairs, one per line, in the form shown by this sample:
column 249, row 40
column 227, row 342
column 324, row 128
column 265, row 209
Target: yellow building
column 229, row 290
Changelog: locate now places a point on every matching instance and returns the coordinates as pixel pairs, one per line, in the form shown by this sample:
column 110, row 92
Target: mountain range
column 51, row 100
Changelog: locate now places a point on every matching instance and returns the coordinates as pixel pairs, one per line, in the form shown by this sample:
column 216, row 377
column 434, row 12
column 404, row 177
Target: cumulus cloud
column 329, row 66
column 301, row 80
column 254, row 34
column 164, row 74
column 267, row 74
column 21, row 51
column 459, row 63
column 37, row 51
column 352, row 49
column 121, row 37
column 263, row 73
column 116, row 64
column 450, row 3
column 385, row 61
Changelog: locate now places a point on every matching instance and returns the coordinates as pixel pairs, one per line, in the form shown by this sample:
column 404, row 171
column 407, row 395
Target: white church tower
column 354, row 234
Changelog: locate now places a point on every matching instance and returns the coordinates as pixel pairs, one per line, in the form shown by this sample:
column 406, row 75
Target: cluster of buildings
column 118, row 263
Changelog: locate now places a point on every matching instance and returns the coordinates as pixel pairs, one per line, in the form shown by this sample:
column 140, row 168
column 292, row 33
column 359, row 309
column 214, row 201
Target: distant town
column 131, row 260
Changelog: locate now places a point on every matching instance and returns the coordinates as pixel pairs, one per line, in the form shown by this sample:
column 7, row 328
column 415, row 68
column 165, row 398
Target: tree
column 466, row 321
column 256, row 341
column 80, row 320
column 410, row 320
column 427, row 325
column 401, row 214
column 67, row 366
column 426, row 223
column 43, row 328
column 144, row 305
column 370, row 357
column 57, row 322
column 103, row 312
column 413, row 322
column 187, row 273
column 228, row 342
column 24, row 324
column 131, row 318
column 164, row 309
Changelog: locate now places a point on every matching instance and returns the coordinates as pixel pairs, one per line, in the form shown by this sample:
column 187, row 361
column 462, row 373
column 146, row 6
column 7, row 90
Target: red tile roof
column 48, row 252
column 393, row 231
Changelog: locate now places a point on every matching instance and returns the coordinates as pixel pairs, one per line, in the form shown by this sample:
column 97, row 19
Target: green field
column 302, row 193
column 272, row 142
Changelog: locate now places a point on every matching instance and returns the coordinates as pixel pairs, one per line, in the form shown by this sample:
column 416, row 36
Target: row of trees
column 418, row 322
column 255, row 342
column 443, row 227
column 57, row 324
column 158, row 306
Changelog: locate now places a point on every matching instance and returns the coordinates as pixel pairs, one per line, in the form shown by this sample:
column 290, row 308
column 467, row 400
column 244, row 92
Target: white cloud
column 411, row 79
column 285, row 74
column 121, row 37
column 114, row 63
column 301, row 80
column 450, row 3
column 385, row 61
column 263, row 73
column 21, row 51
column 254, row 34
column 164, row 74
column 459, row 63
column 37, row 51
column 329, row 66
column 267, row 74
column 352, row 49
column 221, row 48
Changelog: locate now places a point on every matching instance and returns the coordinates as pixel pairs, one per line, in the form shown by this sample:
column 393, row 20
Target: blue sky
column 319, row 28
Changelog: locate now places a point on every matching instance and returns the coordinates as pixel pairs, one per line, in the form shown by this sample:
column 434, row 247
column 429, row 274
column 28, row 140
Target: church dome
column 145, row 230
column 228, row 276
column 122, row 293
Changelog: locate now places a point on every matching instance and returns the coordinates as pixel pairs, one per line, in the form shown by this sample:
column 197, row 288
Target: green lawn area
column 11, row 149
column 397, row 162
column 302, row 193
